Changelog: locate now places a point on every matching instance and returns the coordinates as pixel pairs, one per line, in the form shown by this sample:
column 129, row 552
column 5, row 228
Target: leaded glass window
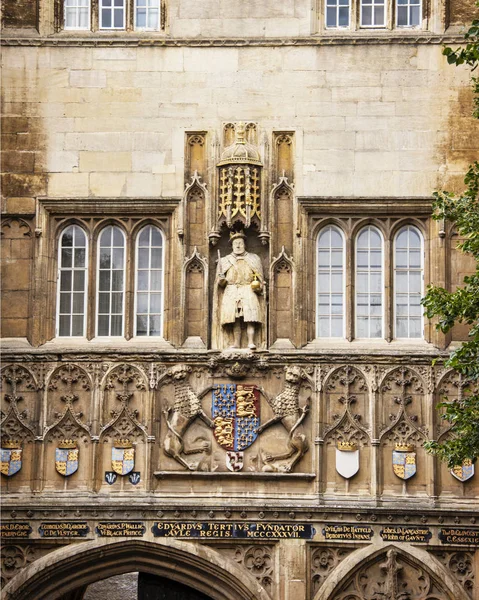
column 111, row 282
column 149, row 282
column 72, row 282
column 408, row 283
column 369, row 283
column 330, row 283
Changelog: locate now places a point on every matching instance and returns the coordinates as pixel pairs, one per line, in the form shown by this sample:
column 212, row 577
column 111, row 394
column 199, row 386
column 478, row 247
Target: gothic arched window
column 330, row 283
column 408, row 283
column 369, row 303
column 72, row 282
column 149, row 282
column 111, row 282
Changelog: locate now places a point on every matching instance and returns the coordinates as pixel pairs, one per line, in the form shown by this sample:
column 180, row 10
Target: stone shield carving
column 236, row 415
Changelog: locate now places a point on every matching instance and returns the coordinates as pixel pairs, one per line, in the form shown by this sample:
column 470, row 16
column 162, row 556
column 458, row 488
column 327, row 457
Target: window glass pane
column 70, row 19
column 106, row 18
column 408, row 276
column 67, row 257
column 78, row 303
column 79, row 281
column 343, row 20
column 111, row 282
column 64, row 325
column 367, row 15
column 65, row 302
column 330, row 283
column 77, row 325
column 369, row 283
column 141, row 17
column 379, row 15
column 153, row 23
column 415, row 20
column 118, row 18
column 149, row 279
column 331, row 17
column 80, row 257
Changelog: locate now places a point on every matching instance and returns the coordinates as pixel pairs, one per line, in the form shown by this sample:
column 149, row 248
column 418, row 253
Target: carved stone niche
column 346, row 449
column 68, row 429
column 392, row 576
column 19, row 415
column 124, row 413
column 196, row 306
column 256, row 266
column 402, row 429
column 282, row 274
column 226, row 426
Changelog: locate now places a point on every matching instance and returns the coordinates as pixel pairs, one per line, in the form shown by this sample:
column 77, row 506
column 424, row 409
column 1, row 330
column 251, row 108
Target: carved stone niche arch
column 195, row 305
column 16, row 251
column 390, row 573
column 402, row 394
column 125, row 402
column 281, row 201
column 77, row 565
column 346, row 408
column 282, row 278
column 17, row 421
column 192, row 217
column 68, row 405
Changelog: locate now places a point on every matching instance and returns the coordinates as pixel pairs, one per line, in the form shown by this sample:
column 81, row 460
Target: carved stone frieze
column 460, row 565
column 391, row 576
column 323, row 561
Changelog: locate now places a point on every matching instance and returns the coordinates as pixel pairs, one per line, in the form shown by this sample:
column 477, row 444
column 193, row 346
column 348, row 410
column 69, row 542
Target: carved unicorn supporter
column 186, row 408
column 287, row 411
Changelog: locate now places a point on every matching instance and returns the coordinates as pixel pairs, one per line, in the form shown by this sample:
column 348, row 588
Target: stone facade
column 128, row 443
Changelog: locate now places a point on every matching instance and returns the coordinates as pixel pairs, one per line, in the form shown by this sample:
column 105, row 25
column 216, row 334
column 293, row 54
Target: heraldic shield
column 66, row 458
column 236, row 415
column 347, row 459
column 404, row 461
column 122, row 457
column 463, row 472
column 11, row 458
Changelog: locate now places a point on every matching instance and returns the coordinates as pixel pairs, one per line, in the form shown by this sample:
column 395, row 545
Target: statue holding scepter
column 240, row 275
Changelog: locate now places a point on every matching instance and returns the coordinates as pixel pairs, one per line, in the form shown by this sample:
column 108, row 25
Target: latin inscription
column 406, row 534
column 348, row 532
column 67, row 529
column 15, row 530
column 120, row 529
column 233, row 530
column 460, row 536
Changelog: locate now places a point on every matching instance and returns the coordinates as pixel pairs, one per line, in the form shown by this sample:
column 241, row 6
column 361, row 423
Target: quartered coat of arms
column 404, row 461
column 66, row 458
column 122, row 457
column 236, row 417
column 465, row 471
column 11, row 457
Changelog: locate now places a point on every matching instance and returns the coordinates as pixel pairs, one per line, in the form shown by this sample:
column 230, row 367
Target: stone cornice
column 93, row 40
column 367, row 205
column 109, row 206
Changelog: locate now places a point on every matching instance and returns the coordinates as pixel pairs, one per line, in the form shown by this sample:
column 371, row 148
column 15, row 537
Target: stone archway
column 389, row 571
column 76, row 565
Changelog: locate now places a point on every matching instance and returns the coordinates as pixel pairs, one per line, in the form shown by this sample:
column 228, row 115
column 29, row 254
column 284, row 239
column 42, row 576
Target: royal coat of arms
column 465, row 471
column 347, row 459
column 11, row 452
column 236, row 416
column 66, row 458
column 122, row 457
column 404, row 461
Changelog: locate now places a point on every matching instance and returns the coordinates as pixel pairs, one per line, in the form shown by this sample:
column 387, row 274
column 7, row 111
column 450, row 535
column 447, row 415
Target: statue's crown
column 237, row 234
column 11, row 444
column 347, row 446
column 63, row 444
column 126, row 443
column 404, row 447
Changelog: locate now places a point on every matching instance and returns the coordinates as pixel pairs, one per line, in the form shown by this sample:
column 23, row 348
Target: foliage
column 461, row 306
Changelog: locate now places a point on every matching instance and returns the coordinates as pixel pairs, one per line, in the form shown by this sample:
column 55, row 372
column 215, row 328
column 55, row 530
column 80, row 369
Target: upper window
column 77, row 14
column 337, row 13
column 72, row 282
column 147, row 14
column 408, row 283
column 370, row 14
column 330, row 281
column 369, row 283
column 112, row 14
column 111, row 282
column 149, row 282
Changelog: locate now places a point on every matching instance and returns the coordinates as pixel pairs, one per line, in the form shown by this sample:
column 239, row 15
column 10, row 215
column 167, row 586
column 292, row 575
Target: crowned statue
column 239, row 295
